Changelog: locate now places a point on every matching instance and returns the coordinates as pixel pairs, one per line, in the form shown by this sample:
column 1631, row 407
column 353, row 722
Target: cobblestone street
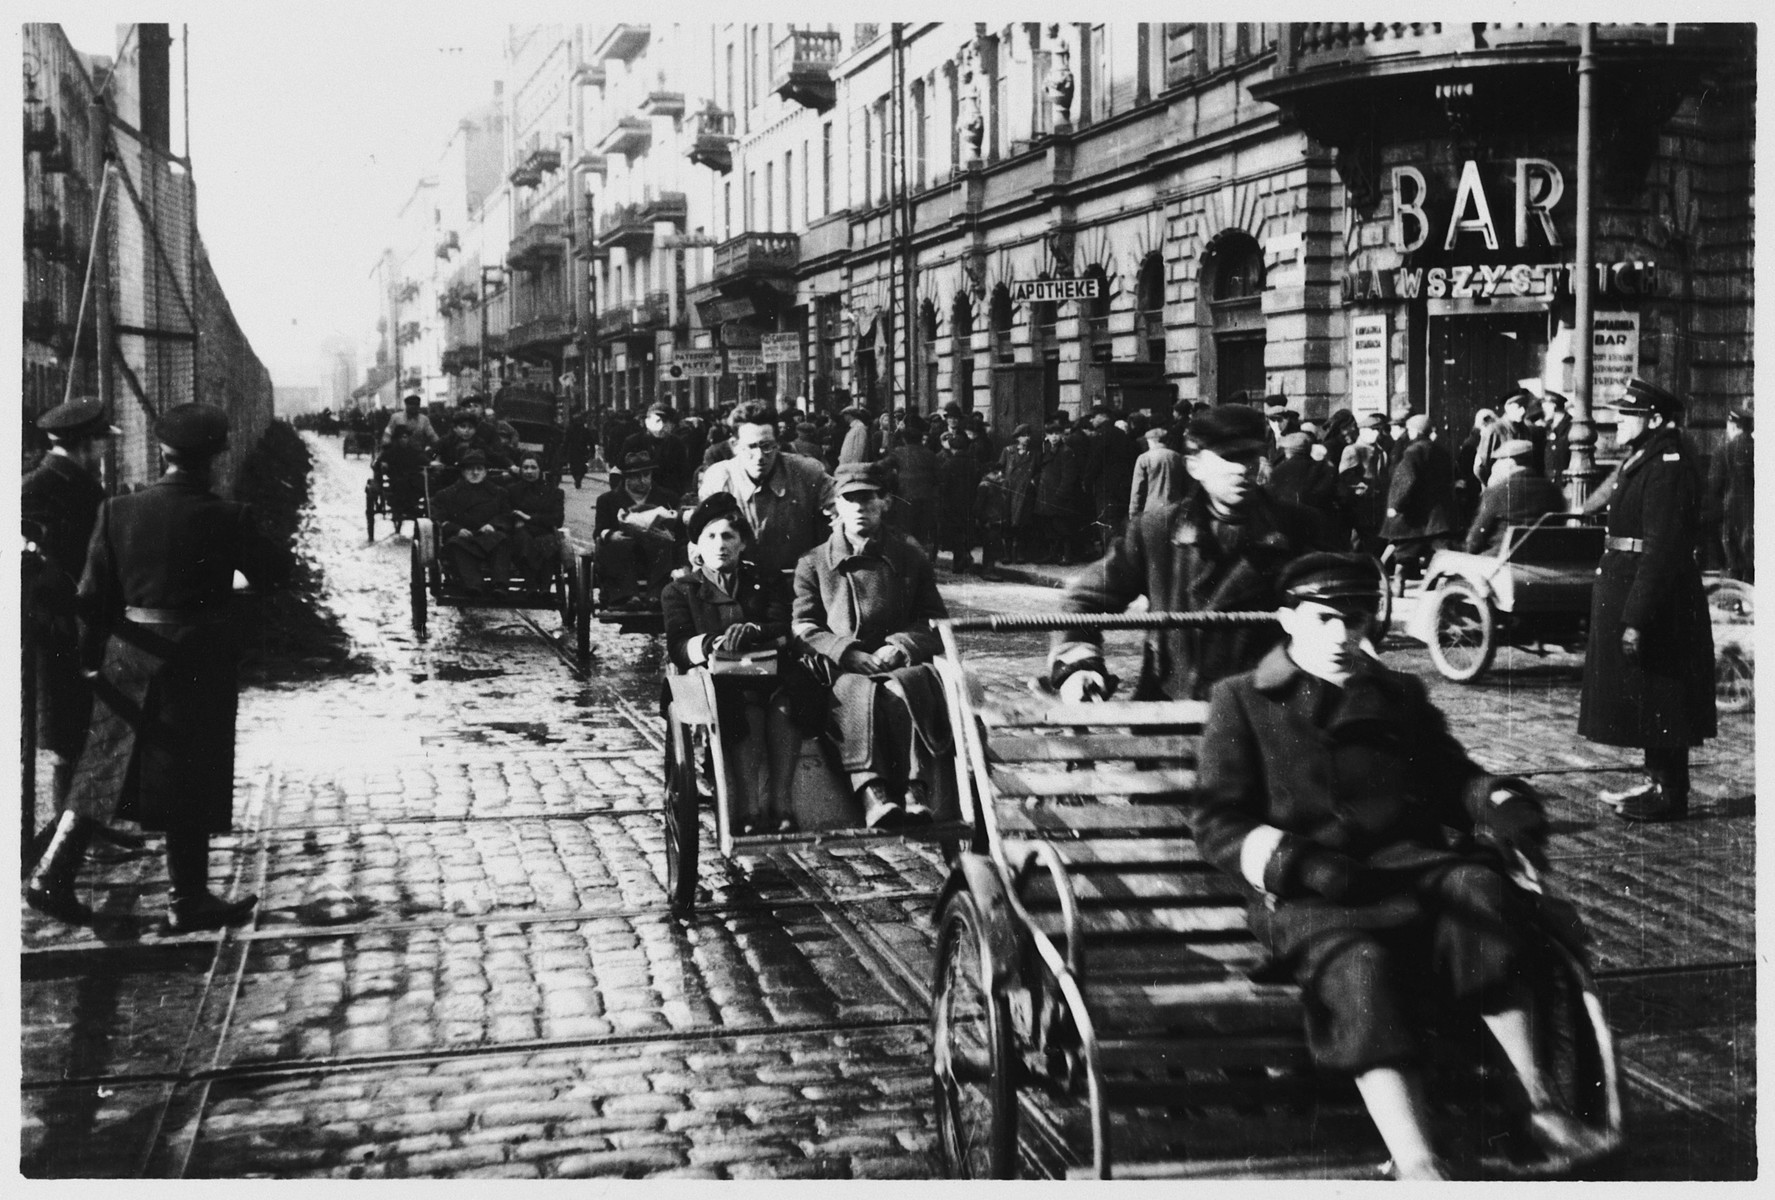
column 463, row 964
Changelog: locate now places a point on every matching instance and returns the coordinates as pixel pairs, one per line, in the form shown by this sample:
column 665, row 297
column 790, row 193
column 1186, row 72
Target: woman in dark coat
column 538, row 513
column 1648, row 673
column 722, row 606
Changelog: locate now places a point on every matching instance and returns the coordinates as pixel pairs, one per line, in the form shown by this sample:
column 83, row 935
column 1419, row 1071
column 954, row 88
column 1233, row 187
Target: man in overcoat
column 1731, row 496
column 1220, row 548
column 1648, row 674
column 1420, row 496
column 786, row 497
column 1159, row 479
column 59, row 504
column 1020, row 461
column 1329, row 786
column 474, row 520
column 865, row 601
column 157, row 641
column 1111, row 473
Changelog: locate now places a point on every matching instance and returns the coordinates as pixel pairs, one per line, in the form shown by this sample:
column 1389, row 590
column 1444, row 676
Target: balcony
column 590, row 74
column 626, row 135
column 448, row 244
column 712, row 138
column 538, row 242
column 592, row 163
column 757, row 255
column 666, row 206
column 623, row 42
column 632, row 320
column 801, row 68
column 663, row 104
column 535, row 159
column 626, row 225
column 544, row 332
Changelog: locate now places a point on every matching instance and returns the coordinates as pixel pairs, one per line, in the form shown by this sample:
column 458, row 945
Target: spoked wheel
column 681, row 818
column 1732, row 606
column 1465, row 633
column 418, row 590
column 971, row 1059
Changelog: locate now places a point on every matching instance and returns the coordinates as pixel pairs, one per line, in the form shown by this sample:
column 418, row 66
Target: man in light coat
column 1159, row 476
column 786, row 497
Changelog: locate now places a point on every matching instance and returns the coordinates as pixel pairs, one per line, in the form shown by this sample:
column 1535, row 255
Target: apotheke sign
column 1049, row 291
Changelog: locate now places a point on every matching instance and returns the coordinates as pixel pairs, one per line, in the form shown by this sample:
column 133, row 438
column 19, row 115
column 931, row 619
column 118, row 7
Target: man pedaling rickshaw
column 400, row 466
column 1330, row 785
column 864, row 603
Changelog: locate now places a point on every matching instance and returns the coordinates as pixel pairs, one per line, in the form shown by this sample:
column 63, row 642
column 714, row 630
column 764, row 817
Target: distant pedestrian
column 1160, row 477
column 1731, row 496
column 1304, row 480
column 1420, row 497
column 958, row 478
column 1514, row 423
column 1020, row 462
column 1111, row 475
column 1517, row 495
column 1556, row 430
column 858, row 444
column 1648, row 675
column 1362, row 484
column 577, row 446
column 1056, row 496
column 1468, row 485
column 991, row 506
column 162, row 651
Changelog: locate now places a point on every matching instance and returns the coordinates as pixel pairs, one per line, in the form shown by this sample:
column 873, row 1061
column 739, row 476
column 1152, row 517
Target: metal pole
column 1580, row 476
column 99, row 267
column 906, row 280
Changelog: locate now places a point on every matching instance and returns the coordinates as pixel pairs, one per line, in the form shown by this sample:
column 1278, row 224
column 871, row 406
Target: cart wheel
column 1732, row 605
column 582, row 610
column 418, row 588
column 370, row 512
column 681, row 818
column 971, row 1059
column 1464, row 636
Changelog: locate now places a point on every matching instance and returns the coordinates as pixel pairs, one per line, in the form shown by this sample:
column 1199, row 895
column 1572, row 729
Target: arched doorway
column 961, row 332
column 1233, row 326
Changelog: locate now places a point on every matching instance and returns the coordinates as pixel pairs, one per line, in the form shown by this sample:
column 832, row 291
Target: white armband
column 1255, row 853
column 697, row 649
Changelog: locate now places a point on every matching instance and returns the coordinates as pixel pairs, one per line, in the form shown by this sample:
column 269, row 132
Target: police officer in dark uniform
column 59, row 504
column 157, row 642
column 1648, row 675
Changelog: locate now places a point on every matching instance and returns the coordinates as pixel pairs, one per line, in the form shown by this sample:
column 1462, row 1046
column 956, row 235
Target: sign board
column 1368, row 363
column 1046, row 291
column 1614, row 355
column 744, row 362
column 782, row 347
column 692, row 364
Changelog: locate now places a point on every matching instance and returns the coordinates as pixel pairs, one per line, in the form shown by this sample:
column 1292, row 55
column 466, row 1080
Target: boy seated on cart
column 637, row 530
column 539, row 510
column 474, row 521
column 864, row 603
column 1330, row 784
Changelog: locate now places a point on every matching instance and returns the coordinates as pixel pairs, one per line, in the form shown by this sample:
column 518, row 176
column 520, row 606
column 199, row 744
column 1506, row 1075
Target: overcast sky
column 308, row 130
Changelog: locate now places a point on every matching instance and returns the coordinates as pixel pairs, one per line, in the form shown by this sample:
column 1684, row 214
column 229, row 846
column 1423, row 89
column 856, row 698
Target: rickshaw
column 379, row 500
column 701, row 773
column 565, row 592
column 1097, row 985
column 1532, row 592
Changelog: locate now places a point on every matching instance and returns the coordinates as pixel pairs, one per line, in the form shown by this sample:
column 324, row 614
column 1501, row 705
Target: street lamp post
column 485, row 271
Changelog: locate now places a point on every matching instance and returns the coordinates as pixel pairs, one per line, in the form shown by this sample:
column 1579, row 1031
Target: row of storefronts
column 1039, row 218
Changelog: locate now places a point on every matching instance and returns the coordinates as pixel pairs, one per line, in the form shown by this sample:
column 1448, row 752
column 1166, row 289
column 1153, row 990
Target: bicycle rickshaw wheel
column 1464, row 635
column 1732, row 603
column 417, row 587
column 680, row 812
column 370, row 511
column 971, row 1052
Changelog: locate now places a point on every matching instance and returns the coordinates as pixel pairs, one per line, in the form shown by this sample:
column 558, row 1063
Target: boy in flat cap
column 1220, row 548
column 864, row 604
column 1370, row 843
column 157, row 642
column 1648, row 673
column 59, row 505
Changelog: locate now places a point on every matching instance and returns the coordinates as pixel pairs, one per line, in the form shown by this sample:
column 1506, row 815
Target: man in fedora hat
column 157, row 642
column 59, row 505
column 1648, row 675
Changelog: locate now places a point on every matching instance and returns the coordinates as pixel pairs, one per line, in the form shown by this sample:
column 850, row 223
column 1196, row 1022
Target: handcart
column 1096, row 980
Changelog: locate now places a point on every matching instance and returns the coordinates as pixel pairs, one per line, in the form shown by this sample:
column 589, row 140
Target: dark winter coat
column 544, row 506
column 1666, row 700
column 161, row 747
column 672, row 470
column 463, row 509
column 59, row 506
column 1362, row 486
column 1113, row 455
column 1517, row 499
column 1057, row 482
column 694, row 605
column 1420, row 496
column 1173, row 557
column 1020, row 468
column 958, row 475
column 1731, row 503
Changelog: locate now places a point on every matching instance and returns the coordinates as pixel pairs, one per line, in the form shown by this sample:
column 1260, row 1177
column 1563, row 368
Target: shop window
column 961, row 328
column 1001, row 326
column 1149, row 304
column 1099, row 347
column 1233, row 283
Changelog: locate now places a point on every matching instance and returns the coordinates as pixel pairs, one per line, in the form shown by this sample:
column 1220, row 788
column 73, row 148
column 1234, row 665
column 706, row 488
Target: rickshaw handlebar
column 1095, row 621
